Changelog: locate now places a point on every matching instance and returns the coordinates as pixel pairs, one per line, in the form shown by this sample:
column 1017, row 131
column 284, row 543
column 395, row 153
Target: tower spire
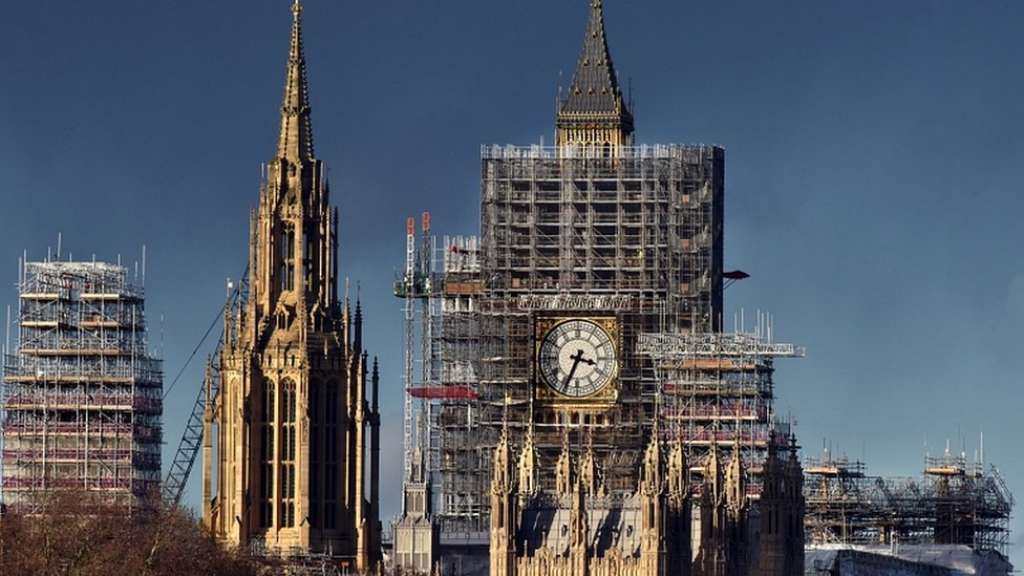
column 296, row 140
column 594, row 111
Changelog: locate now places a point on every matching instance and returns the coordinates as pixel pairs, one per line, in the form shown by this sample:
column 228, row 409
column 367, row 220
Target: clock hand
column 576, row 359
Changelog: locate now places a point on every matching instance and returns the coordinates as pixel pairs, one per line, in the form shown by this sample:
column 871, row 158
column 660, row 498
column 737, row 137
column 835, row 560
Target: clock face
column 577, row 358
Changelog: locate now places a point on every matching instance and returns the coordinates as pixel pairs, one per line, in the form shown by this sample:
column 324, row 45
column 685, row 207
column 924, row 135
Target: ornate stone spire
column 357, row 343
column 504, row 509
column 563, row 468
column 594, row 112
column 735, row 480
column 713, row 474
column 503, row 480
column 588, row 473
column 296, row 140
column 677, row 470
column 651, row 479
column 528, row 466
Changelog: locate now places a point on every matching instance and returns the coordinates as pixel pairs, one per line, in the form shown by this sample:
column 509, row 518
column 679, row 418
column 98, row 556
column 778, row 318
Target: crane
column 192, row 438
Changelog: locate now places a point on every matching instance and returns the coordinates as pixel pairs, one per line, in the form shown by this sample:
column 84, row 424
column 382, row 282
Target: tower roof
column 595, row 88
column 296, row 140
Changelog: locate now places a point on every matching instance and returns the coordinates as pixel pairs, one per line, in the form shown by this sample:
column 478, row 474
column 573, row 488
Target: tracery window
column 287, row 470
column 267, row 457
column 314, row 454
column 331, row 443
column 286, row 246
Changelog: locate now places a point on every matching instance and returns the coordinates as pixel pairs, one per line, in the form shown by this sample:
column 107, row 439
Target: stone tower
column 293, row 421
column 504, row 512
column 782, row 513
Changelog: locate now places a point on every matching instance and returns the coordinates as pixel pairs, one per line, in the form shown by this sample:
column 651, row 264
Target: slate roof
column 595, row 87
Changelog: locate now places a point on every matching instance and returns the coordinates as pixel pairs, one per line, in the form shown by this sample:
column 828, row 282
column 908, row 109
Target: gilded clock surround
column 602, row 398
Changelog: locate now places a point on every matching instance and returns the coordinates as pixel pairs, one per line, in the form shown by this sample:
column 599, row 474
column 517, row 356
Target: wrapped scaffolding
column 82, row 397
column 635, row 240
column 954, row 502
column 568, row 220
column 718, row 389
column 569, row 231
column 462, row 474
column 444, row 463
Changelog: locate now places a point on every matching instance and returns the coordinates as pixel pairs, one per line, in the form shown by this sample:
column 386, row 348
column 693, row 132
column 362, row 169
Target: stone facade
column 416, row 547
column 293, row 420
column 668, row 525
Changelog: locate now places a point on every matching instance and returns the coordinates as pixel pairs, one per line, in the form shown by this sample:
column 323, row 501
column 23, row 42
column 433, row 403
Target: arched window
column 308, row 255
column 315, row 499
column 331, row 443
column 287, row 471
column 286, row 246
column 267, row 457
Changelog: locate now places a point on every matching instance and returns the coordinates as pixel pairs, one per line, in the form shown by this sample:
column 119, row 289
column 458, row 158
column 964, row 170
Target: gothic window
column 286, row 245
column 331, row 442
column 267, row 457
column 287, row 471
column 307, row 256
column 314, row 454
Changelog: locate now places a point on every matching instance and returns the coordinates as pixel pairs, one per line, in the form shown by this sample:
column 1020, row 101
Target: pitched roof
column 595, row 87
column 296, row 139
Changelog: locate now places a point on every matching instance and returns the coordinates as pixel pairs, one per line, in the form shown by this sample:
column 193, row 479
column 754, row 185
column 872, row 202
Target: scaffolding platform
column 82, row 397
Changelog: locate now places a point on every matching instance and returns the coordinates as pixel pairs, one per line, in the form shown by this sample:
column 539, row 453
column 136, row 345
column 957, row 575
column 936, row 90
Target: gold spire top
column 296, row 140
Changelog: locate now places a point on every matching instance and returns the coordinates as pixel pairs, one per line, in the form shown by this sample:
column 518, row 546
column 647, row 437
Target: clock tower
column 586, row 246
column 590, row 248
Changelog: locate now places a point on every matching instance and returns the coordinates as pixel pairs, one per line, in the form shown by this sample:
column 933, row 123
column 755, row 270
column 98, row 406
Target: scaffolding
column 954, row 502
column 647, row 223
column 440, row 286
column 569, row 231
column 82, row 397
column 718, row 390
column 565, row 232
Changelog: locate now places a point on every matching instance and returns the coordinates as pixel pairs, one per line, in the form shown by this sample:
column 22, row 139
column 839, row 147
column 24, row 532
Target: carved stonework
column 293, row 421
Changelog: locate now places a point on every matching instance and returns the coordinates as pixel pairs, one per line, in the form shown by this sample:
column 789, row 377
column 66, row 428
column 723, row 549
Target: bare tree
column 78, row 534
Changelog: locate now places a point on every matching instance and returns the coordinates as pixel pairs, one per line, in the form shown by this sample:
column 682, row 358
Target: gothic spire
column 357, row 343
column 595, row 100
column 651, row 482
column 528, row 465
column 296, row 140
column 735, row 481
column 503, row 474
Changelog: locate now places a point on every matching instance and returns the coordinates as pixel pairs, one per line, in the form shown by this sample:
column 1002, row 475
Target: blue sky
column 874, row 154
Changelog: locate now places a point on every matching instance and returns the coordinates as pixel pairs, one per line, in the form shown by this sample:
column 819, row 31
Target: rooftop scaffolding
column 954, row 502
column 665, row 347
column 718, row 389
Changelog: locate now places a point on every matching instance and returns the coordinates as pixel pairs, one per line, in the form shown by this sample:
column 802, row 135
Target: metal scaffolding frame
column 954, row 502
column 647, row 222
column 638, row 236
column 719, row 391
column 439, row 287
column 569, row 231
column 82, row 396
